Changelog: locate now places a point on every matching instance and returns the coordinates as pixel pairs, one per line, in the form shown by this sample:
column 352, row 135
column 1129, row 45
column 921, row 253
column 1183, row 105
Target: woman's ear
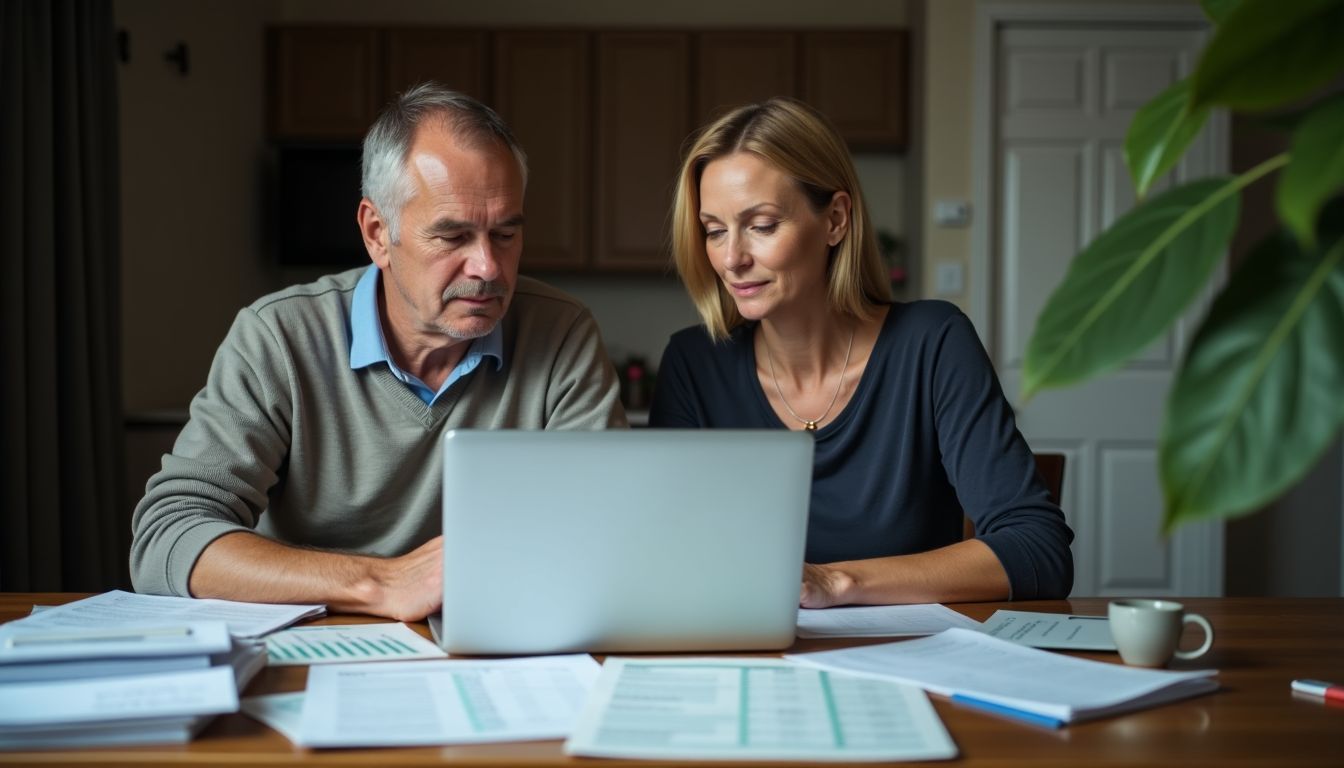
column 837, row 214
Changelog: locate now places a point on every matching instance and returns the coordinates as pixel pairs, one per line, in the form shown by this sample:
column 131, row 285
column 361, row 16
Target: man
column 308, row 472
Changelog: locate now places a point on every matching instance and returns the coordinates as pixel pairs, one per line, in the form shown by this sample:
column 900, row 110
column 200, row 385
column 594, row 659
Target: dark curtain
column 62, row 525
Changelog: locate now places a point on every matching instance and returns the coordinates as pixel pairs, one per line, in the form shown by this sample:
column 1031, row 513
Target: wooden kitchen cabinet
column 859, row 79
column 604, row 116
column 737, row 68
column 643, row 116
column 455, row 58
column 542, row 90
column 323, row 81
column 329, row 83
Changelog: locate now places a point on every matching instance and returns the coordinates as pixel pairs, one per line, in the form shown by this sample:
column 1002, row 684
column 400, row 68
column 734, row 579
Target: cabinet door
column 452, row 57
column 737, row 68
column 858, row 79
column 542, row 91
column 643, row 114
column 323, row 82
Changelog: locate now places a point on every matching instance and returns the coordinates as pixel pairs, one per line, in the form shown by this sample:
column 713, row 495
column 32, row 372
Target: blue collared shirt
column 368, row 345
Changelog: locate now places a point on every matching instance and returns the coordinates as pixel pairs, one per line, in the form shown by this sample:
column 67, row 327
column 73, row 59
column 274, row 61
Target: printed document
column 402, row 703
column 118, row 608
column 348, row 642
column 1051, row 630
column 1012, row 679
column 281, row 711
column 176, row 694
column 880, row 621
column 753, row 709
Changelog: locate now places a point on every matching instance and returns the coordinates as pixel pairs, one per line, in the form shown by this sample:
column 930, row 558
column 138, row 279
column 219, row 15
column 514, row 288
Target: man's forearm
column 248, row 567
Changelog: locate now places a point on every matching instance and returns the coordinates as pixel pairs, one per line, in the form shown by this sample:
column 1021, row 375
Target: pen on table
column 1093, row 618
column 1013, row 712
column 101, row 636
column 1327, row 691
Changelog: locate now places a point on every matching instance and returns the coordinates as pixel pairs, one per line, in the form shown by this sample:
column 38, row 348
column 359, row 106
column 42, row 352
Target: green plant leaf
column 1217, row 10
column 1125, row 288
column 1269, row 52
column 1160, row 133
column 1316, row 171
column 1259, row 397
column 1266, row 53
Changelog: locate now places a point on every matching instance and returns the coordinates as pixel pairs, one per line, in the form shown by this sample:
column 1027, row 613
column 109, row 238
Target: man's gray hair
column 388, row 143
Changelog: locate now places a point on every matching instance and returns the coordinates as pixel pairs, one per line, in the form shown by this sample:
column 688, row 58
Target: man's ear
column 375, row 231
column 838, row 217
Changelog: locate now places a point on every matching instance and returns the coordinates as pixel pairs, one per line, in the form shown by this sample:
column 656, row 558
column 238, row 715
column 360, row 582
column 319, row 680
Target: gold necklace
column 809, row 424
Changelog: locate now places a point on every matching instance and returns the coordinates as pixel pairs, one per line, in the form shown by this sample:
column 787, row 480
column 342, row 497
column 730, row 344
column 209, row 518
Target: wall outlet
column 950, row 279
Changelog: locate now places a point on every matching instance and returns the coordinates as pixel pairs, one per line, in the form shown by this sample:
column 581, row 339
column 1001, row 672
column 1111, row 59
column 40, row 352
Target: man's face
column 451, row 275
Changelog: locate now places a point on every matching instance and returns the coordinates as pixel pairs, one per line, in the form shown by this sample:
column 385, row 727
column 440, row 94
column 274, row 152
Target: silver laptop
column 629, row 540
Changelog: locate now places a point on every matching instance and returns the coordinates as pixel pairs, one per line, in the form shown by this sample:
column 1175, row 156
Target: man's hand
column 825, row 586
column 410, row 587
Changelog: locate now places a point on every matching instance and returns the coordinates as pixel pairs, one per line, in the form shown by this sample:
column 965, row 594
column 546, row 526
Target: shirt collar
column 368, row 345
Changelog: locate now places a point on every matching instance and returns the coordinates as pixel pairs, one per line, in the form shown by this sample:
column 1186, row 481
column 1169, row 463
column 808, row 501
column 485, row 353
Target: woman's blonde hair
column 802, row 143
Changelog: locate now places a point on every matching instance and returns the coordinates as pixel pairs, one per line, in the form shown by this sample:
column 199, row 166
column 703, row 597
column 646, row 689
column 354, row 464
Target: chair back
column 1050, row 466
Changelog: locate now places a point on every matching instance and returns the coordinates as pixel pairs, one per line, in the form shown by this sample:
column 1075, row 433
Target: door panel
column 643, row 116
column 1064, row 100
column 542, row 85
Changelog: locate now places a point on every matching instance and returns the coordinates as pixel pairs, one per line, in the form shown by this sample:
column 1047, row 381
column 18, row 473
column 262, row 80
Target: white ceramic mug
column 1147, row 632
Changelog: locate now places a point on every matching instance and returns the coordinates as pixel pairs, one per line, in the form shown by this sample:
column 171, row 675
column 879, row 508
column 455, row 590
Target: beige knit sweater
column 285, row 439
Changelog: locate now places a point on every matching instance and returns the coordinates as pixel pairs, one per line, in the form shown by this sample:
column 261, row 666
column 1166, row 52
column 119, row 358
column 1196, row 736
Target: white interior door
column 1063, row 99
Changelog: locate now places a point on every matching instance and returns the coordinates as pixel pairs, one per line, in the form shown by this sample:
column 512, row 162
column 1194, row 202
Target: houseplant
column 1260, row 393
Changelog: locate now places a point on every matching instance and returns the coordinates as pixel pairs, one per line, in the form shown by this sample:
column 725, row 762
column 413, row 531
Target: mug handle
column 1195, row 618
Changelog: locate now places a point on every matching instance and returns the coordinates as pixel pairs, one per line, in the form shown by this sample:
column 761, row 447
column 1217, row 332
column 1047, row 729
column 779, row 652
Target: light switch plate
column 951, row 278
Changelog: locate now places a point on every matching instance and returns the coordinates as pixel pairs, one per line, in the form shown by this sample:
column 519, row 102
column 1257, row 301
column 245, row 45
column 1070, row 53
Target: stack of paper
column 1009, row 679
column 152, row 683
column 118, row 608
column 880, row 621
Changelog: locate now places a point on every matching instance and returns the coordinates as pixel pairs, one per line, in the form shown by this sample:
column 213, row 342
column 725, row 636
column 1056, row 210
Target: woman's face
column 768, row 244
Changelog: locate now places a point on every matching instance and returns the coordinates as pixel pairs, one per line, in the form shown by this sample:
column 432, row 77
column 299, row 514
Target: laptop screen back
column 639, row 540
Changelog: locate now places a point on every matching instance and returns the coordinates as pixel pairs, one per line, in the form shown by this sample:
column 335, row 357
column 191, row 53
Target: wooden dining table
column 1254, row 719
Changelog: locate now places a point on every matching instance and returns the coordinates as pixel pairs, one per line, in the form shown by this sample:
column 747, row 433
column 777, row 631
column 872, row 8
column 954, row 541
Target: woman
column 772, row 241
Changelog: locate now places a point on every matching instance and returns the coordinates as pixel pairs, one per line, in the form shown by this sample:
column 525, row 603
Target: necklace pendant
column 810, row 426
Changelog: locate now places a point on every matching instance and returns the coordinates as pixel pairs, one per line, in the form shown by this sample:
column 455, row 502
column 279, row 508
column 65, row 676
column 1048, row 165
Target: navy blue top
column 927, row 437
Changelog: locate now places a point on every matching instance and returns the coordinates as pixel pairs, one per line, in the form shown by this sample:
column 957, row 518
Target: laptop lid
column 623, row 540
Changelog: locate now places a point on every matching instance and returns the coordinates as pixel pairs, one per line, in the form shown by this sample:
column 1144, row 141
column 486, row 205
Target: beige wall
column 948, row 172
column 949, row 58
column 191, row 237
column 192, row 148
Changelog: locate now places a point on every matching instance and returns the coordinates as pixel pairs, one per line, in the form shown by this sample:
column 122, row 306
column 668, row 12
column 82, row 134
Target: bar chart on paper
column 347, row 643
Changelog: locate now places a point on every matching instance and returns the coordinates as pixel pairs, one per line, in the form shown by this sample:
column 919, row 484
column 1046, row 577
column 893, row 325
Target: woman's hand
column 825, row 586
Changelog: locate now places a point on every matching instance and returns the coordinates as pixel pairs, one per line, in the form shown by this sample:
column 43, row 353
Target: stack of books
column 148, row 684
